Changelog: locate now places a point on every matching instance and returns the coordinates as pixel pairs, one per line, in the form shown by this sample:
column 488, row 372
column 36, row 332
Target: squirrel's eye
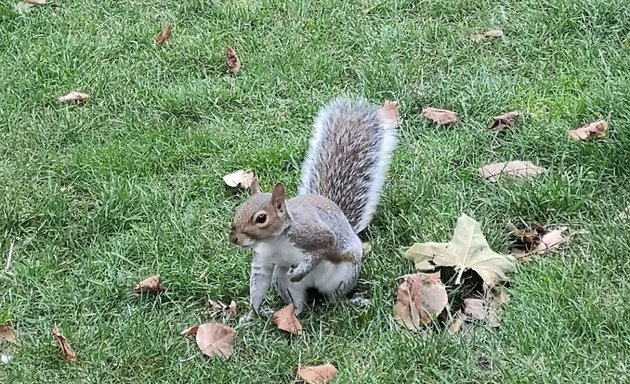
column 261, row 218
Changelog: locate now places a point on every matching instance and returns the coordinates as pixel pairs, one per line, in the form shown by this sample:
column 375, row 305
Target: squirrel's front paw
column 295, row 276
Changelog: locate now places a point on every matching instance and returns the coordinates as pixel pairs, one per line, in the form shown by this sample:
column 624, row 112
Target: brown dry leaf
column 190, row 331
column 468, row 249
column 389, row 111
column 549, row 241
column 488, row 35
column 595, row 130
column 66, row 349
column 286, row 321
column 480, row 310
column 233, row 62
column 458, row 321
column 503, row 121
column 440, row 116
column 223, row 308
column 74, row 97
column 239, row 179
column 7, row 334
column 526, row 238
column 215, row 339
column 164, row 35
column 517, row 170
column 421, row 297
column 150, row 284
column 318, row 374
column 34, row 2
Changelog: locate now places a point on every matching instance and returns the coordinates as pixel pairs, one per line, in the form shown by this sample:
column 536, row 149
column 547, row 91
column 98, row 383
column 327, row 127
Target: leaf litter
column 468, row 249
column 440, row 116
column 149, row 285
column 214, row 339
column 516, row 170
column 318, row 374
column 285, row 320
column 239, row 179
column 488, row 35
column 547, row 242
column 163, row 35
column 499, row 123
column 64, row 345
column 223, row 308
column 7, row 334
column 421, row 297
column 232, row 61
column 595, row 130
column 74, row 97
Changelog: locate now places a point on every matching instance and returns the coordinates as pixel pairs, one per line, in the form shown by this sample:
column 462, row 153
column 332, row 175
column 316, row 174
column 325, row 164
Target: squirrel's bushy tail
column 349, row 152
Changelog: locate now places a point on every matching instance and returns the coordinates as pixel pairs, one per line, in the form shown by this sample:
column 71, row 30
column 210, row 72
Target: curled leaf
column 595, row 130
column 150, row 284
column 286, row 321
column 232, row 60
column 215, row 339
column 190, row 331
column 66, row 349
column 74, row 97
column 319, row 374
column 421, row 297
column 440, row 116
column 163, row 35
column 239, row 179
column 517, row 170
column 503, row 121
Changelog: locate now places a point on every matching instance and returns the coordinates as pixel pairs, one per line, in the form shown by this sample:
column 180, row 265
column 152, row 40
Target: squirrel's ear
column 254, row 187
column 277, row 198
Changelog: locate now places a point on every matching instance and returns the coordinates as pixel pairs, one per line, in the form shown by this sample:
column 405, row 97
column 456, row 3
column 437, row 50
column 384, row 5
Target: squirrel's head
column 260, row 218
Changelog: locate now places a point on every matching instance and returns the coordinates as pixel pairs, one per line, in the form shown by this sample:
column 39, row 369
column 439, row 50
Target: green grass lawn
column 96, row 198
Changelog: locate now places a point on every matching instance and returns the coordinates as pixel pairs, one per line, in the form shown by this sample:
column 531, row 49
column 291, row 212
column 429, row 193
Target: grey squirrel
column 310, row 241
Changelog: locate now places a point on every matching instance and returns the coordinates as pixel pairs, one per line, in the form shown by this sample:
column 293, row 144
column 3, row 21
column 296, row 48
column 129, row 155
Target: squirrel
column 311, row 240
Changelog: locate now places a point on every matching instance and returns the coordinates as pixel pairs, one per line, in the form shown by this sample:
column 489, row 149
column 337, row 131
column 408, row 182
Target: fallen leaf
column 7, row 334
column 549, row 241
column 503, row 121
column 319, row 374
column 480, row 310
column 222, row 308
column 190, row 331
column 286, row 321
column 527, row 238
column 34, row 2
column 517, row 170
column 468, row 249
column 239, row 179
column 67, row 351
column 150, row 284
column 74, row 97
column 440, row 116
column 215, row 339
column 164, row 35
column 233, row 62
column 458, row 321
column 595, row 130
column 389, row 111
column 421, row 297
column 488, row 35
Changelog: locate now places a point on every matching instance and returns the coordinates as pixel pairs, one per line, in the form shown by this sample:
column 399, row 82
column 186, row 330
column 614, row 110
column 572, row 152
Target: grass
column 96, row 198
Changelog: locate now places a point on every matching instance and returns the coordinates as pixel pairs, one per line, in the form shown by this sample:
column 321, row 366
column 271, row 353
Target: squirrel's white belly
column 281, row 253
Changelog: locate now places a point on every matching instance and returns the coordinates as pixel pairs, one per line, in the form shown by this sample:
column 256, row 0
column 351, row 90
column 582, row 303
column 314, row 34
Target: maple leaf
column 440, row 116
column 74, row 97
column 518, row 170
column 66, row 349
column 163, row 35
column 239, row 179
column 468, row 249
column 214, row 339
column 150, row 284
column 7, row 334
column 595, row 130
column 286, row 321
column 421, row 297
column 319, row 374
column 499, row 123
column 232, row 60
